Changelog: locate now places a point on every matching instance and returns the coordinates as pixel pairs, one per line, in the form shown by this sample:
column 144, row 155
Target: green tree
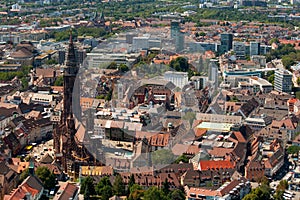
column 283, row 185
column 163, row 156
column 166, row 187
column 274, row 40
column 190, row 116
column 87, row 193
column 123, row 68
column 154, row 193
column 131, row 182
column 287, row 61
column 112, row 65
column 106, row 192
column 176, row 195
column 87, row 182
column 59, row 81
column 202, row 34
column 251, row 197
column 104, row 188
column 24, row 175
column 118, row 186
column 293, row 149
column 180, row 64
column 136, row 192
column 298, row 80
column 271, row 78
column 46, row 176
column 182, row 158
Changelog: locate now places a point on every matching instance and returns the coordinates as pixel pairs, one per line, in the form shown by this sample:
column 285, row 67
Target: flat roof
column 221, row 127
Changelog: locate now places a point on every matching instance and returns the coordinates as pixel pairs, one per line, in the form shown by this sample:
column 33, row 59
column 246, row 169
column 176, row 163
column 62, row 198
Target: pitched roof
column 31, row 185
column 215, row 164
column 68, row 191
column 45, row 73
column 22, row 53
column 47, row 159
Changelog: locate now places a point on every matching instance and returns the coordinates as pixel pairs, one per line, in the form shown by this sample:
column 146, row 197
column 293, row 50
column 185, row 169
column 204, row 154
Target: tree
column 176, row 195
column 123, row 68
column 293, row 149
column 190, row 116
column 24, row 83
column 46, row 176
column 131, row 182
column 163, row 156
column 166, row 187
column 59, row 81
column 119, row 187
column 106, row 192
column 104, row 188
column 274, row 40
column 251, row 197
column 287, row 61
column 86, row 193
column 24, row 175
column 202, row 34
column 112, row 65
column 136, row 192
column 271, row 78
column 51, row 62
column 87, row 182
column 283, row 185
column 182, row 158
column 154, row 193
column 180, row 64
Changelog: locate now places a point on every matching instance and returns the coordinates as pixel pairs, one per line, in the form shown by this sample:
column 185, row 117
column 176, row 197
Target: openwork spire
column 71, row 55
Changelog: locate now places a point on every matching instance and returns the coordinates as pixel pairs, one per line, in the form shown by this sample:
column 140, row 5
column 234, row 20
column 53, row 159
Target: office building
column 239, row 49
column 226, row 42
column 177, row 35
column 213, row 75
column 139, row 43
column 283, row 81
column 254, row 48
column 179, row 79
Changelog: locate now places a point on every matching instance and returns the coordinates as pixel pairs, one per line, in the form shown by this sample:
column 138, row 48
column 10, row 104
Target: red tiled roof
column 215, row 164
column 200, row 132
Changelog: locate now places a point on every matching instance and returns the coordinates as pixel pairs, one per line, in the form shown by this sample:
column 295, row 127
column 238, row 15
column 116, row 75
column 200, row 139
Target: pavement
column 40, row 150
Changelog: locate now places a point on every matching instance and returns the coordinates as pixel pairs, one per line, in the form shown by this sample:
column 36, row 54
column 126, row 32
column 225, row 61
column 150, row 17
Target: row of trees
column 23, row 72
column 81, row 31
column 264, row 192
column 133, row 191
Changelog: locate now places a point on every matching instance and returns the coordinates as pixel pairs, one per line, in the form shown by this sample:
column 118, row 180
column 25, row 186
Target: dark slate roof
column 46, row 159
column 248, row 107
column 34, row 182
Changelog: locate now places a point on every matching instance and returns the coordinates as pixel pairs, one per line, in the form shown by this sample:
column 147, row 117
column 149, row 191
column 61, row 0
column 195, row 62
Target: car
column 52, row 192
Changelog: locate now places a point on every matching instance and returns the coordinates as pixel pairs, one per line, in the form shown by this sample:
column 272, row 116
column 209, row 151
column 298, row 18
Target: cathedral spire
column 71, row 55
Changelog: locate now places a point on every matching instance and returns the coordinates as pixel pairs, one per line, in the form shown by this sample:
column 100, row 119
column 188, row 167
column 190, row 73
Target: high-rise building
column 177, row 35
column 254, row 48
column 175, row 28
column 239, row 49
column 226, row 42
column 283, row 81
column 213, row 75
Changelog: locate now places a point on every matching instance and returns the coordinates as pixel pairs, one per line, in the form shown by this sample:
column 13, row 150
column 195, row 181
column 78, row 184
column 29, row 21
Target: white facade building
column 179, row 79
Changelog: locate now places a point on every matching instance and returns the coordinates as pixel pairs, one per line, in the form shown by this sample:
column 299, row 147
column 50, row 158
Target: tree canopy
column 46, row 176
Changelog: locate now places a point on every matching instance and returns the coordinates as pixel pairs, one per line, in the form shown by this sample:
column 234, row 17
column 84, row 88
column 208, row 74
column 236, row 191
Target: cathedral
column 69, row 146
